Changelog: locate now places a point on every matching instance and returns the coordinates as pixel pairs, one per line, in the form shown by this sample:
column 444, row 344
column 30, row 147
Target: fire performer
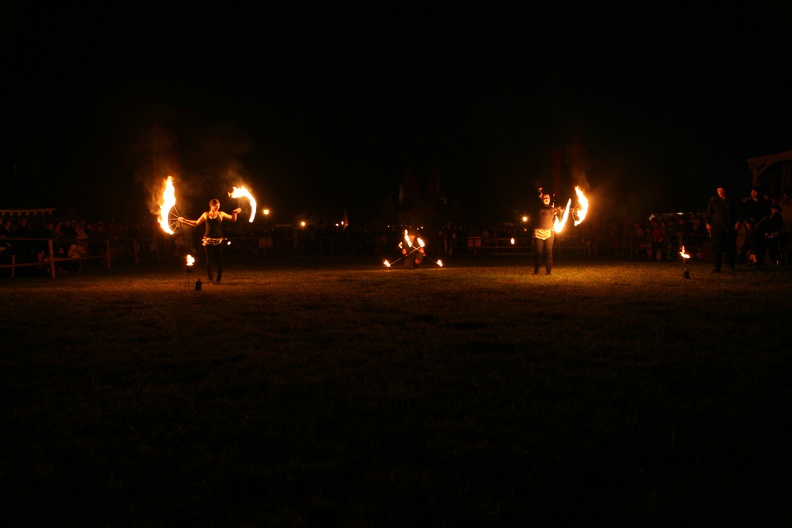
column 213, row 237
column 412, row 248
column 543, row 235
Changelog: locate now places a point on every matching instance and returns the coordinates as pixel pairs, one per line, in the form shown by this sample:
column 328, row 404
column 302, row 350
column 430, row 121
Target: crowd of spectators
column 657, row 237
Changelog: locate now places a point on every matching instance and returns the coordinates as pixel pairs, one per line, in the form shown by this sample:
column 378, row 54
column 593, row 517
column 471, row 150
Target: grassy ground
column 335, row 392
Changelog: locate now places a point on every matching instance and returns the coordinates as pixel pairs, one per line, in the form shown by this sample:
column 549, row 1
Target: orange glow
column 683, row 253
column 241, row 192
column 190, row 260
column 168, row 202
column 558, row 225
column 387, row 264
column 440, row 263
column 583, row 204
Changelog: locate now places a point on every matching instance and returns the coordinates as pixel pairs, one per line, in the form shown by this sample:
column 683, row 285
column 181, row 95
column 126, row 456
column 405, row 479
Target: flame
column 168, row 202
column 440, row 263
column 240, row 192
column 583, row 205
column 407, row 238
column 387, row 264
column 558, row 225
column 683, row 253
column 420, row 242
column 512, row 241
column 190, row 260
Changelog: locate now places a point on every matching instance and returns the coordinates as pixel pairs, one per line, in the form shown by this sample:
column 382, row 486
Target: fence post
column 51, row 258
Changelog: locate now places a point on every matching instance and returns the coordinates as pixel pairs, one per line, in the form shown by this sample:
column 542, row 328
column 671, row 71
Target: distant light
column 302, row 224
column 525, row 218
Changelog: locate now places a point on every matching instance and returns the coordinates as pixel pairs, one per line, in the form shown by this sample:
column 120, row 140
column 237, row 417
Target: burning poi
column 413, row 252
column 242, row 192
column 168, row 215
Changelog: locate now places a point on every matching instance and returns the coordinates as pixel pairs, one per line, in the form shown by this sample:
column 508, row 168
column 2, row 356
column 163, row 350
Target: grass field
column 322, row 391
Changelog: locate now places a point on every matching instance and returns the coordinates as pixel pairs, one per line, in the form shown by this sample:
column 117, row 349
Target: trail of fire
column 168, row 203
column 583, row 204
column 242, row 192
column 558, row 225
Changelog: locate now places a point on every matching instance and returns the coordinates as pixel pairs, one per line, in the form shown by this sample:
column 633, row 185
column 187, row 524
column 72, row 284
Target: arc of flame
column 583, row 205
column 683, row 253
column 242, row 192
column 168, row 203
column 558, row 225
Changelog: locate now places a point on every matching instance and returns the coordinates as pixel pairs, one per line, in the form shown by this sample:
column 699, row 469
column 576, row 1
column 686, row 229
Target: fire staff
column 213, row 237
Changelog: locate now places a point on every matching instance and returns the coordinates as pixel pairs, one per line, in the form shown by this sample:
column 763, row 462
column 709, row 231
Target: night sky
column 323, row 107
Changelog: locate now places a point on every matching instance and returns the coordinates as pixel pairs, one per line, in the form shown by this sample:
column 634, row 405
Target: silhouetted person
column 723, row 217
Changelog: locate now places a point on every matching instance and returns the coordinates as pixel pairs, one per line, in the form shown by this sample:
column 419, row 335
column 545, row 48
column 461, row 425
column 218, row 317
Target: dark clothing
column 722, row 215
column 213, row 227
column 214, row 261
column 544, row 236
column 213, row 247
column 773, row 236
column 756, row 214
column 545, row 216
column 543, row 247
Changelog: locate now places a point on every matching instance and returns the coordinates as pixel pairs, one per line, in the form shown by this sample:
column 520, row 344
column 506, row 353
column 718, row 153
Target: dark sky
column 321, row 107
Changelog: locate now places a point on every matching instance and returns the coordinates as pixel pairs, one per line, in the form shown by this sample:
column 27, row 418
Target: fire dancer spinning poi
column 543, row 235
column 550, row 220
column 213, row 237
column 413, row 252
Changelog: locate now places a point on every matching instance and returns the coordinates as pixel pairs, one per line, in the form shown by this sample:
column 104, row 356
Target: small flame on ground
column 440, row 263
column 190, row 260
column 512, row 241
column 683, row 253
column 584, row 205
column 168, row 202
column 242, row 192
column 387, row 264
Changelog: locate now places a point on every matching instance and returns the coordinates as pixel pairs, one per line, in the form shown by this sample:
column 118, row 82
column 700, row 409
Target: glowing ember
column 683, row 253
column 583, row 204
column 558, row 225
column 241, row 192
column 190, row 260
column 168, row 202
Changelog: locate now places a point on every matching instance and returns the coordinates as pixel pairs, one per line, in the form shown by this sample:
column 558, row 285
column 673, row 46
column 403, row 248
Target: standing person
column 213, row 237
column 772, row 237
column 756, row 211
column 543, row 236
column 723, row 217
